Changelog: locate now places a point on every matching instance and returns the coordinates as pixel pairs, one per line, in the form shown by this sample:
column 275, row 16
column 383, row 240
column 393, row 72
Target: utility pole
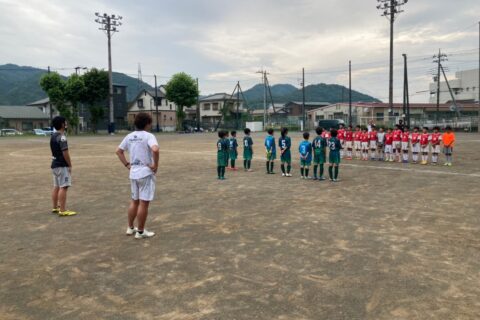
column 438, row 60
column 198, row 108
column 303, row 98
column 390, row 9
column 350, row 93
column 406, row 99
column 450, row 91
column 156, row 101
column 109, row 24
column 478, row 87
column 264, row 75
column 238, row 104
column 50, row 103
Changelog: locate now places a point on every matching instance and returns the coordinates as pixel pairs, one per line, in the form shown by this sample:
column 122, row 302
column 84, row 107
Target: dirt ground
column 390, row 241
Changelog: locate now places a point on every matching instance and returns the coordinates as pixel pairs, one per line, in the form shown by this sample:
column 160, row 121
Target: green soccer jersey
column 334, row 147
column 319, row 146
column 232, row 148
column 285, row 143
column 222, row 152
column 247, row 148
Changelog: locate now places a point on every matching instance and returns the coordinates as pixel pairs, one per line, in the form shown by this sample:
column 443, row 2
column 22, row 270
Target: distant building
column 294, row 108
column 145, row 102
column 23, row 118
column 211, row 108
column 465, row 88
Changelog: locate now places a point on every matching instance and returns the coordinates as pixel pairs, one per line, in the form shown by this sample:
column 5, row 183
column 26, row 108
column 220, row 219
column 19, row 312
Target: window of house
column 140, row 103
column 118, row 90
column 379, row 116
column 170, row 106
column 164, row 117
column 215, row 106
column 468, row 89
column 171, row 118
column 206, row 106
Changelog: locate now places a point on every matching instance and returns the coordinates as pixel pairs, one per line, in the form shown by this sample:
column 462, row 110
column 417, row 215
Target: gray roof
column 219, row 97
column 22, row 112
column 310, row 103
column 40, row 102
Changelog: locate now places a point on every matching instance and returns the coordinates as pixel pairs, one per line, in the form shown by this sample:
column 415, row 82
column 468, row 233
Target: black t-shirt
column 58, row 144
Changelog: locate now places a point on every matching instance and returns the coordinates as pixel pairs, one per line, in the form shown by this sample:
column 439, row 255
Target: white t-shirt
column 138, row 144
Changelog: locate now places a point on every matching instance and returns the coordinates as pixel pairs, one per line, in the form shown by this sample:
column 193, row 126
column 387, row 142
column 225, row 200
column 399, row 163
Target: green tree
column 182, row 90
column 74, row 93
column 54, row 86
column 95, row 92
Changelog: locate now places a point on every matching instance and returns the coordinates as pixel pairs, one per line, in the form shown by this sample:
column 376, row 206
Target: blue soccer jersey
column 305, row 150
column 270, row 144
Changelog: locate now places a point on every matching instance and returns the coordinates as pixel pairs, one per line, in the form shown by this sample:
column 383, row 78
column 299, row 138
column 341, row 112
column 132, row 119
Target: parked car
column 10, row 132
column 39, row 132
column 327, row 124
column 48, row 131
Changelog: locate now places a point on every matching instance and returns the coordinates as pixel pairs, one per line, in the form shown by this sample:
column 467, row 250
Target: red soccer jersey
column 424, row 138
column 388, row 139
column 415, row 137
column 436, row 138
column 348, row 135
column 405, row 136
column 364, row 137
column 356, row 136
column 372, row 136
column 341, row 134
column 397, row 135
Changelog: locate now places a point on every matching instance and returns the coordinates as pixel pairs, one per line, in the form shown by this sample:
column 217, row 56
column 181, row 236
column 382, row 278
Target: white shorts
column 357, row 145
column 61, row 177
column 143, row 189
column 396, row 145
column 404, row 146
column 425, row 149
column 364, row 145
column 436, row 149
column 348, row 144
column 388, row 148
column 373, row 145
column 416, row 148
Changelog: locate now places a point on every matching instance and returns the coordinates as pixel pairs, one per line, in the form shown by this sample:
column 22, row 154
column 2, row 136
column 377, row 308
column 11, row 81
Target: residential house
column 295, row 108
column 23, row 118
column 211, row 108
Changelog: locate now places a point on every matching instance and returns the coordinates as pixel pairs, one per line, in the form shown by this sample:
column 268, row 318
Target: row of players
column 393, row 145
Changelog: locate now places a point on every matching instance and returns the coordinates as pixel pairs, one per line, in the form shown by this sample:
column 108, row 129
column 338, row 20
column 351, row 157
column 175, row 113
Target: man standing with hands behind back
column 144, row 155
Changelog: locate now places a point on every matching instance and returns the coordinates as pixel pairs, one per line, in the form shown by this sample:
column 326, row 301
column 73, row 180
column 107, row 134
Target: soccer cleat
column 144, row 234
column 223, row 178
column 66, row 213
column 445, row 164
column 315, row 178
column 405, row 161
column 283, row 174
column 289, row 174
column 321, row 178
column 249, row 170
column 449, row 164
column 56, row 210
column 131, row 231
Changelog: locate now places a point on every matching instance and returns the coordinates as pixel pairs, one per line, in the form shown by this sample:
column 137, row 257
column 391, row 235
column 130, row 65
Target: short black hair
column 425, row 128
column 416, row 128
column 233, row 133
column 358, row 127
column 246, row 130
column 319, row 130
column 436, row 128
column 397, row 126
column 58, row 122
column 448, row 128
column 334, row 133
column 270, row 131
column 284, row 132
column 350, row 126
column 142, row 120
column 341, row 125
column 222, row 134
column 306, row 135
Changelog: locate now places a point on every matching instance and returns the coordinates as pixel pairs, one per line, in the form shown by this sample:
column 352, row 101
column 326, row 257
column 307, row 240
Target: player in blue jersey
column 319, row 146
column 247, row 150
column 232, row 149
column 305, row 150
column 334, row 147
column 271, row 151
column 285, row 143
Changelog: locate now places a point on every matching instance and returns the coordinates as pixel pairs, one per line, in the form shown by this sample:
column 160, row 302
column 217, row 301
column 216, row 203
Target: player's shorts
column 425, row 149
column 388, row 148
column 286, row 157
column 271, row 156
column 144, row 188
column 222, row 159
column 247, row 154
column 380, row 146
column 396, row 145
column 334, row 157
column 305, row 162
column 436, row 149
column 373, row 145
column 405, row 146
column 61, row 177
column 357, row 145
column 416, row 147
column 349, row 144
column 447, row 150
column 364, row 145
column 232, row 154
column 319, row 157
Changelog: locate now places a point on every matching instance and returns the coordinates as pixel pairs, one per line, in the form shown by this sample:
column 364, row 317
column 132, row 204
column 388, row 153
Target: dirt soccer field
column 390, row 241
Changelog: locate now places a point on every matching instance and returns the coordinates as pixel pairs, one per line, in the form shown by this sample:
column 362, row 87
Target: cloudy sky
column 222, row 41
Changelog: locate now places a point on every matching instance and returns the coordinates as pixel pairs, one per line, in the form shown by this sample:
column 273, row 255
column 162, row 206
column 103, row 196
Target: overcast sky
column 221, row 42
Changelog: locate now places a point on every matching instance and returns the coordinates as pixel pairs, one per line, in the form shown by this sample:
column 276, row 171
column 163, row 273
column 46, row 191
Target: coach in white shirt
column 142, row 147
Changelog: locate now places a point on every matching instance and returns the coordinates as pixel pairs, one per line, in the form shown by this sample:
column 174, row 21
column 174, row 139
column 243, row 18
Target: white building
column 465, row 87
column 211, row 108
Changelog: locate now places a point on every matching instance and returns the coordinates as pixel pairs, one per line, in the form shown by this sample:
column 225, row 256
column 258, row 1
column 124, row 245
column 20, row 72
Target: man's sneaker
column 56, row 210
column 131, row 231
column 289, row 174
column 66, row 213
column 144, row 234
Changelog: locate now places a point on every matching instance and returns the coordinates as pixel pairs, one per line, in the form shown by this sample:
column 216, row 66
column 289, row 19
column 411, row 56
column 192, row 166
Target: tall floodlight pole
column 478, row 87
column 350, row 93
column 303, row 98
column 109, row 24
column 406, row 99
column 390, row 9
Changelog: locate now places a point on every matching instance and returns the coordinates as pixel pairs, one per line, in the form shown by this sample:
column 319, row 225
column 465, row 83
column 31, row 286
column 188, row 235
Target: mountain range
column 19, row 85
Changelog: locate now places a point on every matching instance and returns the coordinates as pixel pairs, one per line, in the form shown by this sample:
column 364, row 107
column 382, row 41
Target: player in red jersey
column 364, row 140
column 415, row 140
column 397, row 143
column 389, row 145
column 424, row 145
column 436, row 138
column 405, row 136
column 349, row 142
column 357, row 144
column 341, row 137
column 372, row 137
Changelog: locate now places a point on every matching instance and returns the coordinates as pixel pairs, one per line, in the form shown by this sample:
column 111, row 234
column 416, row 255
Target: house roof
column 309, row 103
column 22, row 112
column 40, row 102
column 219, row 97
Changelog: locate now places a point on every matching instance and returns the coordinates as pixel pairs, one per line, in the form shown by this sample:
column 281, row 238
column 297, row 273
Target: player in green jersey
column 334, row 147
column 319, row 146
column 222, row 154
column 232, row 149
column 285, row 143
column 247, row 150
